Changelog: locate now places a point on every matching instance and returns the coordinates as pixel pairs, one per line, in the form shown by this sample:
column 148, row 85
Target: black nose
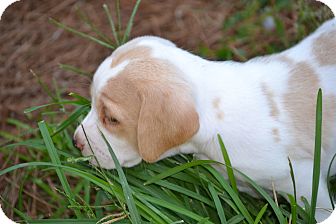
column 77, row 144
column 74, row 142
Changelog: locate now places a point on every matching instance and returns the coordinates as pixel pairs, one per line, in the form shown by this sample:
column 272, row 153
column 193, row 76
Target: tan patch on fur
column 220, row 115
column 216, row 106
column 130, row 54
column 276, row 135
column 152, row 102
column 286, row 59
column 119, row 100
column 274, row 112
column 328, row 120
column 324, row 48
column 300, row 103
column 215, row 103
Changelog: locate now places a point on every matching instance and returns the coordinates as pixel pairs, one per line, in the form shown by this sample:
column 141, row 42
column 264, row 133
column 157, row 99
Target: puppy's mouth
column 101, row 158
column 103, row 161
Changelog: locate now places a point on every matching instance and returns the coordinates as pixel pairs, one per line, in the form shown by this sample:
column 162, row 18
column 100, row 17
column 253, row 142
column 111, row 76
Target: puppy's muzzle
column 77, row 144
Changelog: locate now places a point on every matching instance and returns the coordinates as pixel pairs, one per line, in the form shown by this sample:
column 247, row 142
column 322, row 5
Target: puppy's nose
column 77, row 144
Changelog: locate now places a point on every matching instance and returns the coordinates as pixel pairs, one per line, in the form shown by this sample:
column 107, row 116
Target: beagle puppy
column 152, row 100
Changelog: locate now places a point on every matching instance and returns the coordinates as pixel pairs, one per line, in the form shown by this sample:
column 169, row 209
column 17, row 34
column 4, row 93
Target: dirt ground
column 29, row 41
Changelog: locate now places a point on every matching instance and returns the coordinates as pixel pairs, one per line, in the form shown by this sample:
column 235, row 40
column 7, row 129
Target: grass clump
column 175, row 190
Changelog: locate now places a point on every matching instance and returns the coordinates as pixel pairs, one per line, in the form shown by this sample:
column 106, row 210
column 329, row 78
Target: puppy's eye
column 112, row 120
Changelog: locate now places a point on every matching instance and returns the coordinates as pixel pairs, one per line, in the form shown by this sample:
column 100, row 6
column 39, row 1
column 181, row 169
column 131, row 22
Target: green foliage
column 134, row 214
column 244, row 34
column 317, row 157
column 56, row 160
column 228, row 165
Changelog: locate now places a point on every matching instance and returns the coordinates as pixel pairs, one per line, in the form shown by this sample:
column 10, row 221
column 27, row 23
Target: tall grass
column 175, row 190
column 166, row 192
column 317, row 157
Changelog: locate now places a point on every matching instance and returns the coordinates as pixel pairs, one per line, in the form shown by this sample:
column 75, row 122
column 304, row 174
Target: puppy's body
column 177, row 102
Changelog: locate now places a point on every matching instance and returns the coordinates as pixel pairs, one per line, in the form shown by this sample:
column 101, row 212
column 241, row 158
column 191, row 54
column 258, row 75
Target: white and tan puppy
column 152, row 100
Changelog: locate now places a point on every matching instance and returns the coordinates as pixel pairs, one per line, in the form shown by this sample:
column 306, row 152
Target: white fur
column 247, row 125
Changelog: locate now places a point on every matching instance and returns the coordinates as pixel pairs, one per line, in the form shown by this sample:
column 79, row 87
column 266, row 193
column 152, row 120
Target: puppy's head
column 141, row 103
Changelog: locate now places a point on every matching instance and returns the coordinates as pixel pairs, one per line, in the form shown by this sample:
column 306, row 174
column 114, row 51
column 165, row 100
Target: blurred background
column 214, row 29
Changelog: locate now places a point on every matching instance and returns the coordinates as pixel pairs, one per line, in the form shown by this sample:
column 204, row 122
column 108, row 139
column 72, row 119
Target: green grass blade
column 236, row 219
column 81, row 34
column 109, row 18
column 44, row 86
column 218, row 204
column 328, row 181
column 300, row 211
column 9, row 136
column 85, row 18
column 159, row 168
column 33, row 143
column 81, row 173
column 17, row 211
column 87, row 191
column 101, row 171
column 23, row 134
column 228, row 165
column 149, row 214
column 231, row 192
column 317, row 157
column 134, row 214
column 18, row 124
column 98, row 201
column 67, row 102
column 58, row 93
column 157, row 212
column 293, row 204
column 55, row 160
column 63, row 221
column 36, row 144
column 130, row 22
column 112, row 189
column 178, row 169
column 292, row 176
column 74, row 69
column 72, row 118
column 31, row 109
column 22, row 184
column 265, row 195
column 307, row 207
column 80, row 98
column 171, row 206
column 117, row 11
column 184, row 191
column 46, row 188
column 260, row 214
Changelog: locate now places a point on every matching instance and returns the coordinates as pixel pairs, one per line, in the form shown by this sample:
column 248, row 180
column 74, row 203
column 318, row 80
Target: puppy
column 152, row 100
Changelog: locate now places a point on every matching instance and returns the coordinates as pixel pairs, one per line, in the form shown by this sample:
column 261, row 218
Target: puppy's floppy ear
column 167, row 119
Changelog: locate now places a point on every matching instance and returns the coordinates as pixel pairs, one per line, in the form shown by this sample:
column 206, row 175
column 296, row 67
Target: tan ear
column 167, row 119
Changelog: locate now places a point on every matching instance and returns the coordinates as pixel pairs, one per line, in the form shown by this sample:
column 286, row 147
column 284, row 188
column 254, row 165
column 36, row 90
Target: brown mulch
column 31, row 42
